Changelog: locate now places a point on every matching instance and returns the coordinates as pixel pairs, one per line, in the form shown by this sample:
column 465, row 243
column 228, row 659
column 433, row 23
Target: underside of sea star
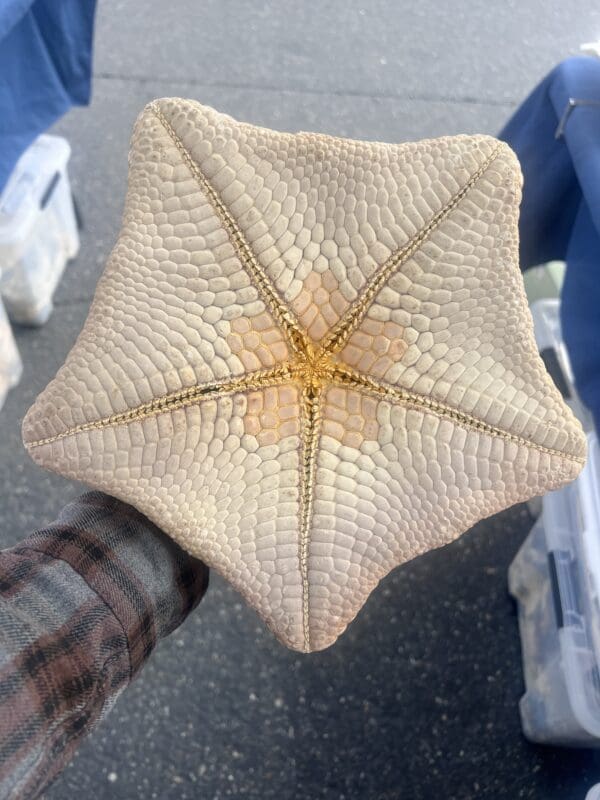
column 309, row 359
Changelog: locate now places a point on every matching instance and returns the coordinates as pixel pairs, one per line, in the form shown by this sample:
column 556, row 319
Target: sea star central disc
column 309, row 359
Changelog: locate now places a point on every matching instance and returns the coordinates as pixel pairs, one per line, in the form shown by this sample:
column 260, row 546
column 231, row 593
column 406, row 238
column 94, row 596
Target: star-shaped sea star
column 356, row 428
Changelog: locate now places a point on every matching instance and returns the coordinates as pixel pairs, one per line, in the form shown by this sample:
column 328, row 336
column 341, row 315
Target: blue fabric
column 560, row 212
column 45, row 68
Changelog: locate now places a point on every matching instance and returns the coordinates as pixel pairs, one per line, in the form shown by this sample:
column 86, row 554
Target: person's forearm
column 83, row 602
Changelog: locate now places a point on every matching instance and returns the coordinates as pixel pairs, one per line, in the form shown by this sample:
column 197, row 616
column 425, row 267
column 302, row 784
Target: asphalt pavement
column 419, row 699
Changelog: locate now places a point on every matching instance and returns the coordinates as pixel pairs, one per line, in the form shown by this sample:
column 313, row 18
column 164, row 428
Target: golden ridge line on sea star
column 288, row 373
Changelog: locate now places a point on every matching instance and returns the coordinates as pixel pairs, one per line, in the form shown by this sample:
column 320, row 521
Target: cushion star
column 309, row 359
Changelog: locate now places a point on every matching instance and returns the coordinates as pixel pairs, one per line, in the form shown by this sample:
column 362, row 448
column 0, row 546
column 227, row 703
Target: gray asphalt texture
column 419, row 698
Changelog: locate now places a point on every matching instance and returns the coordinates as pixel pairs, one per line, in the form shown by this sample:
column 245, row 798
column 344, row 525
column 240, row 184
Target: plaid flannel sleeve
column 83, row 603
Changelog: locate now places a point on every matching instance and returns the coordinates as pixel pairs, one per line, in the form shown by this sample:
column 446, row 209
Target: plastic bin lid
column 546, row 322
column 24, row 193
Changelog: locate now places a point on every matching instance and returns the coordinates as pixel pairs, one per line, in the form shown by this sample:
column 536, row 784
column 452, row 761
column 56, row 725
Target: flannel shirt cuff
column 149, row 583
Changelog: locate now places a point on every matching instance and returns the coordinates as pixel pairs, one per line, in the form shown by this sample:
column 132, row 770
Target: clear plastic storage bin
column 38, row 230
column 555, row 579
column 10, row 360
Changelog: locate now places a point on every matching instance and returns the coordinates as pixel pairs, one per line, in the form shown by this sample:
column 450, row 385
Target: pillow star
column 309, row 359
